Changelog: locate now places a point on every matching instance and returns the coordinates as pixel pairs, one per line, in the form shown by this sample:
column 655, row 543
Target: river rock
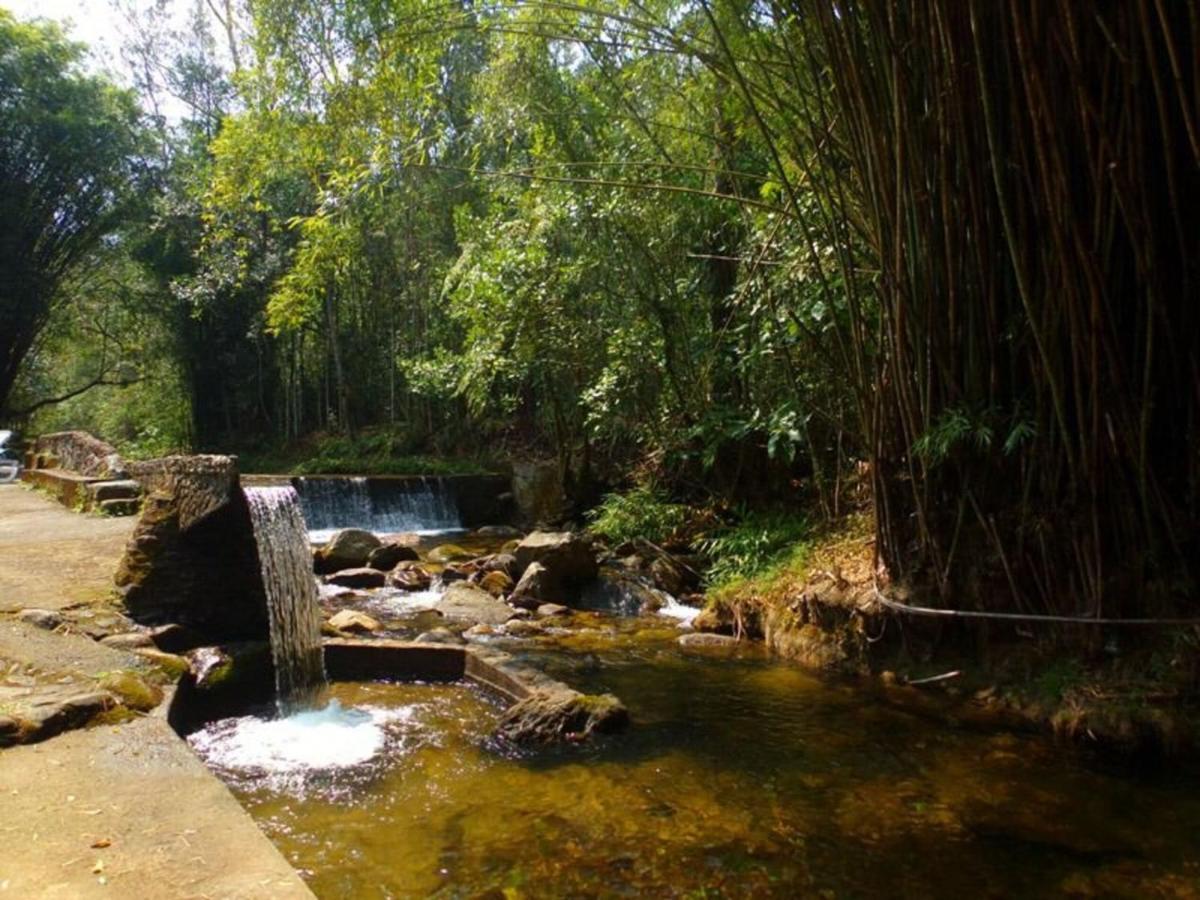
column 409, row 578
column 503, row 532
column 496, row 583
column 354, row 622
column 535, row 588
column 562, row 714
column 359, row 578
column 388, row 555
column 568, row 557
column 707, row 640
column 467, row 603
column 349, row 548
column 518, row 627
column 552, row 610
column 192, row 558
column 500, row 562
column 447, row 553
column 438, row 636
column 129, row 640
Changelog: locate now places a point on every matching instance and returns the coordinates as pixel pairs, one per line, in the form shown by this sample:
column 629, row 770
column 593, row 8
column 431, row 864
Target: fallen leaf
column 101, row 844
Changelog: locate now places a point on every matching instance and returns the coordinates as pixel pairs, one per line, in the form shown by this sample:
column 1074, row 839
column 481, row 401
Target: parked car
column 10, row 460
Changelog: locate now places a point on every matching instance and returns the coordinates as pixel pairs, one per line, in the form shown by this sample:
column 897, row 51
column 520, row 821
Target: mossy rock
column 132, row 690
column 447, row 553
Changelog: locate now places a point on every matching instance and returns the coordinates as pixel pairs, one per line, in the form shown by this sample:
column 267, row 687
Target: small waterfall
column 382, row 505
column 291, row 590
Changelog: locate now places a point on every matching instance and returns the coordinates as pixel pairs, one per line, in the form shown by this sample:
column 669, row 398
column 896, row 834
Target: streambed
column 740, row 777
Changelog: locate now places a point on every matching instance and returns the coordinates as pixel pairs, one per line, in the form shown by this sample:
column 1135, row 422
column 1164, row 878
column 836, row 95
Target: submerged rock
column 349, row 548
column 467, row 603
column 707, row 640
column 357, row 578
column 388, row 555
column 553, row 715
column 447, row 553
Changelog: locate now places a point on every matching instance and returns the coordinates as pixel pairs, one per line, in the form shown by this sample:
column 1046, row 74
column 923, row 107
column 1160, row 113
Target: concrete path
column 51, row 557
column 112, row 810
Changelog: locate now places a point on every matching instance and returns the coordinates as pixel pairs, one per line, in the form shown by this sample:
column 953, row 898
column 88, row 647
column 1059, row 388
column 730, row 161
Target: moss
column 132, row 690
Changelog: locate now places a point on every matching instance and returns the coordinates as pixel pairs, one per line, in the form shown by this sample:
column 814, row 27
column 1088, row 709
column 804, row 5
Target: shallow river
column 740, row 777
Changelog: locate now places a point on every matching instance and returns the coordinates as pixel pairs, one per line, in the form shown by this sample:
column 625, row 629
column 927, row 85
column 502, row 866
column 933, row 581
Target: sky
column 94, row 22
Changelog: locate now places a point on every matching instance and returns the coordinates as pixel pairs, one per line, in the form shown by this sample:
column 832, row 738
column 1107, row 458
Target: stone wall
column 77, row 451
column 192, row 558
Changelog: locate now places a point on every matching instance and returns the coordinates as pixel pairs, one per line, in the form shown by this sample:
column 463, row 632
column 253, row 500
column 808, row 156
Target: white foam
column 322, row 739
column 681, row 612
column 395, row 600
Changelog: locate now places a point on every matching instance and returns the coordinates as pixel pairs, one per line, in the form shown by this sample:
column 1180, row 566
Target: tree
column 68, row 149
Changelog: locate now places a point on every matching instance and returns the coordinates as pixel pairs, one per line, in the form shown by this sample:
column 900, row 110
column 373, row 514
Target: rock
column 42, row 618
column 552, row 715
column 568, row 558
column 170, row 663
column 438, row 636
column 670, row 576
column 517, row 627
column 192, row 558
column 447, row 553
column 126, row 489
column 239, row 668
column 132, row 690
column 498, row 531
column 175, row 638
column 460, row 570
column 349, row 548
column 387, row 556
column 354, row 622
column 534, row 588
column 451, row 574
column 538, row 490
column 78, row 451
column 496, row 583
column 409, row 578
column 129, row 640
column 478, row 631
column 550, row 610
column 468, row 603
column 46, row 719
column 120, row 507
column 357, row 578
column 500, row 562
column 705, row 640
column 713, row 620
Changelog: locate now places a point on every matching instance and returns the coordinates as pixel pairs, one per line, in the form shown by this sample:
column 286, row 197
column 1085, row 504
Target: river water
column 740, row 777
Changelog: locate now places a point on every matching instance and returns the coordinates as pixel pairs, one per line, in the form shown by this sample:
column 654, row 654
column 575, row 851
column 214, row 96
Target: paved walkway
column 51, row 557
column 109, row 811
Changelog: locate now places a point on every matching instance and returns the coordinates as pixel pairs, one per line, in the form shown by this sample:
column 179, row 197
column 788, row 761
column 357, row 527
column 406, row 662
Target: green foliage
column 378, row 452
column 754, row 544
column 643, row 512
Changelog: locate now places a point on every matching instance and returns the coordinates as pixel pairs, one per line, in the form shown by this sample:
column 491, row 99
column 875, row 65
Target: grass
column 375, row 452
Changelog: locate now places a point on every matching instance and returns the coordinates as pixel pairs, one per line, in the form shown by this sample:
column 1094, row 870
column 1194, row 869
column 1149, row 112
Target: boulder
column 447, row 553
column 496, row 583
column 354, row 622
column 567, row 558
column 357, row 578
column 192, row 559
column 561, row 714
column 409, row 578
column 534, row 588
column 386, row 556
column 349, row 548
column 467, row 603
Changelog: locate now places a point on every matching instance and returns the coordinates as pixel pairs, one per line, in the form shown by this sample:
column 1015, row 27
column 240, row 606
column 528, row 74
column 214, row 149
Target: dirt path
column 50, row 557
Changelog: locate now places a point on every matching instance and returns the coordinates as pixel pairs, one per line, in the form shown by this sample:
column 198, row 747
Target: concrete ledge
column 68, row 488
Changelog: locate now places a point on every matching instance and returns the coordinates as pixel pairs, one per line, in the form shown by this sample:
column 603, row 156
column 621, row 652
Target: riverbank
column 1130, row 692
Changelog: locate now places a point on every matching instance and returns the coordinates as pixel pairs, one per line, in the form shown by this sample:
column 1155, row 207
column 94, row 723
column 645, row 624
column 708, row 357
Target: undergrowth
column 375, row 452
column 643, row 512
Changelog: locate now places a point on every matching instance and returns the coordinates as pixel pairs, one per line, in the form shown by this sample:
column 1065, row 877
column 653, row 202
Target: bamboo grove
column 735, row 246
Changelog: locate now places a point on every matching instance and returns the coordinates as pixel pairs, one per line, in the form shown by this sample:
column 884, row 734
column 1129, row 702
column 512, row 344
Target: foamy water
column 319, row 740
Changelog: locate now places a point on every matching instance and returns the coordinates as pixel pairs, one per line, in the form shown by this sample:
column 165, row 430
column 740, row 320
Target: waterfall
column 295, row 617
column 379, row 505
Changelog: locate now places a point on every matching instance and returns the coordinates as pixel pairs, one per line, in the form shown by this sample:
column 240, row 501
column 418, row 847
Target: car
column 10, row 461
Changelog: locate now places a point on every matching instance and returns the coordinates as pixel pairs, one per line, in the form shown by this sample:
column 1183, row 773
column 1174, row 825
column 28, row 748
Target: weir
column 295, row 618
column 380, row 506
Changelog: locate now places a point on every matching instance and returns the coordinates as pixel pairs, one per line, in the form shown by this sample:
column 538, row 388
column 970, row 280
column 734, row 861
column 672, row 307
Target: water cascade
column 295, row 617
column 420, row 505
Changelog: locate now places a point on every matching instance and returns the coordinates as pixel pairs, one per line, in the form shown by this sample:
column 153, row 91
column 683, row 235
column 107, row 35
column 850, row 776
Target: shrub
column 759, row 541
column 643, row 512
